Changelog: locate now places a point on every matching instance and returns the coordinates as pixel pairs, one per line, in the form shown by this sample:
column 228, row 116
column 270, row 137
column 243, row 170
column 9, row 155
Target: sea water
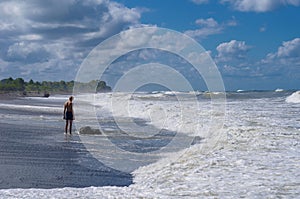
column 256, row 154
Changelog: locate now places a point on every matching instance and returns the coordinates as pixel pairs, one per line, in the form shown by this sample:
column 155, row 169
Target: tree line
column 46, row 88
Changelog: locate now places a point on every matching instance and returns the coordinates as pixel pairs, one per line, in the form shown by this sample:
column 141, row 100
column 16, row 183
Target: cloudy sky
column 254, row 43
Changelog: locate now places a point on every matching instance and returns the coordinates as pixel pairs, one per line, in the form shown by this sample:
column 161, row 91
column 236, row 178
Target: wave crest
column 293, row 98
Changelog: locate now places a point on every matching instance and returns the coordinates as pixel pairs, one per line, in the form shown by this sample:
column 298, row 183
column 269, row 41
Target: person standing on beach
column 69, row 114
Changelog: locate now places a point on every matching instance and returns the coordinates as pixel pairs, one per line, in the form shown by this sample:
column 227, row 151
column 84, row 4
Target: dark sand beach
column 35, row 153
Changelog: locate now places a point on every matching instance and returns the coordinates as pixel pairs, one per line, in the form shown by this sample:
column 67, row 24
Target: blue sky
column 254, row 43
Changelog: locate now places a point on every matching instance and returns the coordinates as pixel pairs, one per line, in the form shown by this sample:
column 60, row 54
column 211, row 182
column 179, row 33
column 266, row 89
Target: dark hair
column 71, row 98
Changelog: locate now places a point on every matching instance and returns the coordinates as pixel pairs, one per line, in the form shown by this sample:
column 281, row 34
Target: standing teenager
column 69, row 114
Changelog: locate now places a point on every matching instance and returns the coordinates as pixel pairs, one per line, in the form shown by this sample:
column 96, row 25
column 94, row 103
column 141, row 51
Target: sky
column 255, row 44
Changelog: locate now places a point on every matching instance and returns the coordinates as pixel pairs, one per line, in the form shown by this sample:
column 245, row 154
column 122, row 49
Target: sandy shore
column 11, row 95
column 35, row 153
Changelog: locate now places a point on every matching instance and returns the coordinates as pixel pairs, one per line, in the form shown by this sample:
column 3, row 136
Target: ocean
column 153, row 145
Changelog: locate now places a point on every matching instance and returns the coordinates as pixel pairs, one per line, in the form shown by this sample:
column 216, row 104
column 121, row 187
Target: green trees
column 47, row 87
column 102, row 87
column 93, row 86
column 12, row 85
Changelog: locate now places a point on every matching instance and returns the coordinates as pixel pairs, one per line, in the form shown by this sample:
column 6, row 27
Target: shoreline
column 15, row 94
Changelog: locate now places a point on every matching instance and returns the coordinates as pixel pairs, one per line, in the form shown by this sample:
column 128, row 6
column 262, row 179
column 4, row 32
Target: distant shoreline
column 10, row 88
column 14, row 94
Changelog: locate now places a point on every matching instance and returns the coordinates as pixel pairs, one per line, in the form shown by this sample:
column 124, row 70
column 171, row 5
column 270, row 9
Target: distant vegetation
column 46, row 88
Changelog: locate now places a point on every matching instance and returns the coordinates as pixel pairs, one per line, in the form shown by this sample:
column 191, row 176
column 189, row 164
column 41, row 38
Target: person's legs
column 70, row 126
column 66, row 127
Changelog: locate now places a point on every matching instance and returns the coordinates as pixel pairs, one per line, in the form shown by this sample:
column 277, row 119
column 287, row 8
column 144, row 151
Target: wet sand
column 40, row 156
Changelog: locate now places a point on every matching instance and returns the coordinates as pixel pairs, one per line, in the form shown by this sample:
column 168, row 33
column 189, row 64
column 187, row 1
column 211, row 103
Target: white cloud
column 56, row 18
column 210, row 22
column 30, row 37
column 207, row 27
column 27, row 52
column 53, row 32
column 283, row 65
column 231, row 22
column 263, row 29
column 232, row 50
column 232, row 60
column 199, row 2
column 259, row 5
column 287, row 54
column 116, row 17
column 284, row 62
column 3, row 68
column 290, row 49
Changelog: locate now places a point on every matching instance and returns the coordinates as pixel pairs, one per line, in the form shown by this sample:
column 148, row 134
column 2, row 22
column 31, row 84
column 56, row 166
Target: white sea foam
column 279, row 90
column 294, row 98
column 185, row 116
column 30, row 107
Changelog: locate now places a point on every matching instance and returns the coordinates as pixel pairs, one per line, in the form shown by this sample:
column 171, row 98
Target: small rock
column 197, row 140
column 89, row 130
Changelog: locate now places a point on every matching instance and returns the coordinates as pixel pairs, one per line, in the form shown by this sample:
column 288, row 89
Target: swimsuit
column 69, row 115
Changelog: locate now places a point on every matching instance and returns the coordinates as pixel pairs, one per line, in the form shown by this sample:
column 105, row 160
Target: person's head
column 71, row 98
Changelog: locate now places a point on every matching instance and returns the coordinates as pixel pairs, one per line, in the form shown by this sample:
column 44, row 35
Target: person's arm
column 73, row 112
column 65, row 108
